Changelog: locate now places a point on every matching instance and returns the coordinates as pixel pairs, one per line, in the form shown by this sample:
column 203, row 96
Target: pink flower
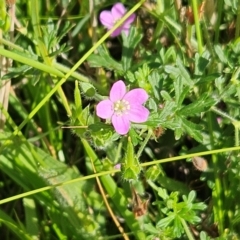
column 109, row 18
column 124, row 107
column 117, row 166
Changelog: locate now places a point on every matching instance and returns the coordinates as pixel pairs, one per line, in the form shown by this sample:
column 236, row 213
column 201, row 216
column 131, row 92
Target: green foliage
column 131, row 167
column 57, row 66
column 176, row 213
column 4, row 18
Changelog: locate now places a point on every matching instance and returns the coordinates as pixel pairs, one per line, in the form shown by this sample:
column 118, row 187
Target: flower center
column 121, row 107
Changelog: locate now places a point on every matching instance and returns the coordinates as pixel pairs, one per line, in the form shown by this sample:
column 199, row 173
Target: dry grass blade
column 121, row 230
column 4, row 65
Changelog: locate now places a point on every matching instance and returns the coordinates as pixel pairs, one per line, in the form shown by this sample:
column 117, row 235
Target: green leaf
column 178, row 229
column 201, row 62
column 204, row 236
column 130, row 76
column 192, row 129
column 22, row 161
column 31, row 217
column 18, row 71
column 18, row 230
column 191, row 196
column 165, row 95
column 168, row 110
column 200, row 105
column 163, row 223
column 181, row 91
column 135, row 138
column 173, row 71
column 162, row 193
column 155, row 84
column 150, row 228
column 77, row 99
column 219, row 52
column 178, row 133
column 130, row 43
column 119, row 200
column 103, row 59
column 184, row 73
column 131, row 167
column 88, row 89
column 199, row 206
column 152, row 173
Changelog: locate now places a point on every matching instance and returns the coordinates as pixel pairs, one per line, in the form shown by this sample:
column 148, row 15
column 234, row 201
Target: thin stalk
column 21, row 136
column 76, row 66
column 236, row 126
column 178, row 158
column 237, row 31
column 223, row 114
column 235, row 123
column 197, row 26
column 144, row 143
column 186, row 228
column 115, row 220
column 235, row 81
column 220, row 4
column 31, row 62
column 43, row 50
column 217, row 191
column 32, row 192
column 56, row 69
column 118, row 199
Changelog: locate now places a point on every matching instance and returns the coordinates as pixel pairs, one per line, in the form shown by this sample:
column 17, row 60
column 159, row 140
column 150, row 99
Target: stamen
column 121, row 107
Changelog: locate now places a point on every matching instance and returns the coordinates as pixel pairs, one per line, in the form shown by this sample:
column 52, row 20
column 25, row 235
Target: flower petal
column 117, row 91
column 126, row 31
column 117, row 32
column 104, row 109
column 138, row 113
column 118, row 10
column 136, row 96
column 130, row 19
column 107, row 19
column 121, row 124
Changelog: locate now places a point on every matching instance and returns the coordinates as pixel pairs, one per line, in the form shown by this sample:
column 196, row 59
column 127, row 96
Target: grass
column 59, row 162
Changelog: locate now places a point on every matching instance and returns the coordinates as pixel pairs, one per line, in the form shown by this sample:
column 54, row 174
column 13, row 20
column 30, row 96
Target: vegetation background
column 179, row 172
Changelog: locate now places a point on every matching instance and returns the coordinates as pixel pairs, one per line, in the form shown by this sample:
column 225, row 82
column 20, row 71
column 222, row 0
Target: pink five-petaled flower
column 109, row 18
column 124, row 107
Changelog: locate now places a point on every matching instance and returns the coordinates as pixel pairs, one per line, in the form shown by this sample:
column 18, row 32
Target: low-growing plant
column 119, row 120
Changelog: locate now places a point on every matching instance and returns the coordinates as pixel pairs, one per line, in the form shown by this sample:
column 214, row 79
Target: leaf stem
column 220, row 4
column 197, row 26
column 75, row 67
column 237, row 32
column 221, row 150
column 223, row 114
column 144, row 143
column 186, row 228
column 217, row 191
column 235, row 123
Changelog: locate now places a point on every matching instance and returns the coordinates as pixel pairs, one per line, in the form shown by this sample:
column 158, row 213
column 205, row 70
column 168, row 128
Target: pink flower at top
column 109, row 18
column 124, row 107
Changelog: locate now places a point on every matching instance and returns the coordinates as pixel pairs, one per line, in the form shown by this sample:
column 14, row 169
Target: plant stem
column 144, row 143
column 115, row 171
column 235, row 123
column 237, row 31
column 75, row 67
column 186, row 228
column 223, row 114
column 43, row 51
column 219, row 18
column 197, row 26
column 217, row 191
